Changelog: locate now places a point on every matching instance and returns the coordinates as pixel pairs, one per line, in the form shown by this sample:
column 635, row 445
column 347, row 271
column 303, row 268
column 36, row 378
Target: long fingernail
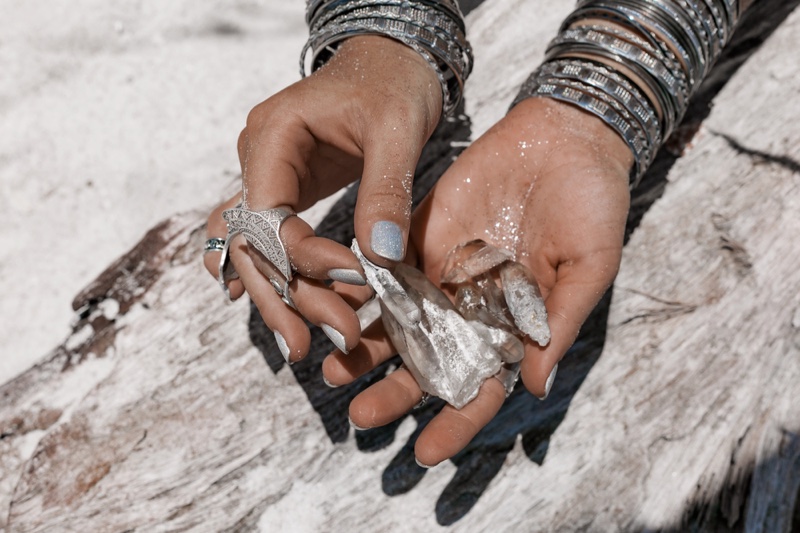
column 386, row 240
column 282, row 346
column 549, row 383
column 426, row 467
column 347, row 275
column 328, row 383
column 354, row 426
column 336, row 338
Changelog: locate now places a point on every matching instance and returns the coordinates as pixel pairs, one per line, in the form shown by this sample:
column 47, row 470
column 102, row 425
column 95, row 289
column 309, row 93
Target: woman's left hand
column 549, row 182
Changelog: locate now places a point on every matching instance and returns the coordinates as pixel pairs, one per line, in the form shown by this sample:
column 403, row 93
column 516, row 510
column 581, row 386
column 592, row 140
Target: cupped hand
column 549, row 182
column 365, row 115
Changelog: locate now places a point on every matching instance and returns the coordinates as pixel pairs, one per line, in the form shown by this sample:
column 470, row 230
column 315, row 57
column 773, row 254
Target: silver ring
column 262, row 230
column 422, row 401
column 214, row 244
column 226, row 271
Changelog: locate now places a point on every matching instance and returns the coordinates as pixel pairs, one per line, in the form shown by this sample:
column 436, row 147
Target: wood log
column 677, row 408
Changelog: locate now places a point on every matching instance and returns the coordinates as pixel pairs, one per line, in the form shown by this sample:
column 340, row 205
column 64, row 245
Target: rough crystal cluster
column 451, row 349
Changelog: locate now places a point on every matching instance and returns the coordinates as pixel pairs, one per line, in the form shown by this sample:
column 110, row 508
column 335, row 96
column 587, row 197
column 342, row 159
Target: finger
column 317, row 257
column 577, row 291
column 326, row 309
column 383, row 208
column 217, row 227
column 280, row 155
column 271, row 151
column 355, row 295
column 292, row 335
column 373, row 349
column 385, row 401
column 452, row 429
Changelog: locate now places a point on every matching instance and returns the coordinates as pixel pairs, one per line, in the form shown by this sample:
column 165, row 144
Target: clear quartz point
column 470, row 260
column 447, row 355
column 525, row 301
column 389, row 290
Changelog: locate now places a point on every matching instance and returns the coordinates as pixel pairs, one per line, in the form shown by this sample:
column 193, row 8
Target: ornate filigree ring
column 262, row 230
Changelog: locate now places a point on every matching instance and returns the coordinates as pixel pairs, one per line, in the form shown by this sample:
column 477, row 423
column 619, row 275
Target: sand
column 116, row 115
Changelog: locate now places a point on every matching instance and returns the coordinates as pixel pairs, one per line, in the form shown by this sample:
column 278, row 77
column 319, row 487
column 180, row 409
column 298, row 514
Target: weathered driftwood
column 678, row 408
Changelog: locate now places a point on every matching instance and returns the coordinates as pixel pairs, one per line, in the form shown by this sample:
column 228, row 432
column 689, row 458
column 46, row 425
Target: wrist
column 375, row 57
column 580, row 130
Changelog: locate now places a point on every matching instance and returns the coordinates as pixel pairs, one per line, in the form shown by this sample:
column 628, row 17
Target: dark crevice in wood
column 760, row 156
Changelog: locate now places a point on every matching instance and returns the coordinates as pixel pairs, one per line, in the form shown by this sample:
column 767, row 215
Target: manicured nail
column 328, row 383
column 282, row 346
column 426, row 467
column 549, row 384
column 387, row 240
column 354, row 426
column 336, row 338
column 347, row 275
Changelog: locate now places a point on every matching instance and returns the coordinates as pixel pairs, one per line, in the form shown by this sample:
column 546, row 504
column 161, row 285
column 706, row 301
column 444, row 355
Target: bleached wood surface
column 161, row 413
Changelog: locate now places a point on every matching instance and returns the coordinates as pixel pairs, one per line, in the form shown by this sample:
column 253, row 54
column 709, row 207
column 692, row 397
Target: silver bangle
column 315, row 8
column 444, row 36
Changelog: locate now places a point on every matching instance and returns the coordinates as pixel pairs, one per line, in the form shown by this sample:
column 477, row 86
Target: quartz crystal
column 525, row 301
column 451, row 349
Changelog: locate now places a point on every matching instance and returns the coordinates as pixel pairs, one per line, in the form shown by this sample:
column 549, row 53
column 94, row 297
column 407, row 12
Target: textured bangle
column 315, row 8
column 434, row 29
column 616, row 87
column 671, row 92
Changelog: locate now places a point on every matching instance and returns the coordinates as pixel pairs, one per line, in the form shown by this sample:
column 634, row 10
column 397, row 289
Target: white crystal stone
column 525, row 302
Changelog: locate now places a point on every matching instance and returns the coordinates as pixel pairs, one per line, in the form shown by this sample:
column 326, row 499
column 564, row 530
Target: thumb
column 575, row 294
column 383, row 208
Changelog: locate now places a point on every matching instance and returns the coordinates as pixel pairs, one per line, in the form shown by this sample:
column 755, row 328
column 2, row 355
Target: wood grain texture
column 170, row 410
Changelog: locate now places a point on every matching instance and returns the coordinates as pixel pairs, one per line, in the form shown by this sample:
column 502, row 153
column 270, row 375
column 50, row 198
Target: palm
column 548, row 183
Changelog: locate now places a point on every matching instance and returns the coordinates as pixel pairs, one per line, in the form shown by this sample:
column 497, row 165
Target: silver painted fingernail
column 328, row 383
column 549, row 384
column 354, row 426
column 426, row 467
column 347, row 275
column 336, row 338
column 386, row 240
column 282, row 346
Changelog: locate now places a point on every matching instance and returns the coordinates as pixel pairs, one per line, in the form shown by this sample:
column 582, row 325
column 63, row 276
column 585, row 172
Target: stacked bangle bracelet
column 434, row 28
column 634, row 64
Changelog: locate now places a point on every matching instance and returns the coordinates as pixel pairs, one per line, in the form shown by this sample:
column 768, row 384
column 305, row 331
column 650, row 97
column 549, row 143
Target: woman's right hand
column 365, row 115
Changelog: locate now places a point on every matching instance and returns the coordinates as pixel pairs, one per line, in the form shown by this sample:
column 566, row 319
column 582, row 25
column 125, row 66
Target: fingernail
column 387, row 240
column 328, row 383
column 336, row 338
column 354, row 426
column 549, row 384
column 426, row 467
column 347, row 275
column 282, row 346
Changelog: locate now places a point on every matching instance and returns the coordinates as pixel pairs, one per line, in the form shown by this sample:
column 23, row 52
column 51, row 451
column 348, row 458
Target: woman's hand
column 365, row 115
column 549, row 182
